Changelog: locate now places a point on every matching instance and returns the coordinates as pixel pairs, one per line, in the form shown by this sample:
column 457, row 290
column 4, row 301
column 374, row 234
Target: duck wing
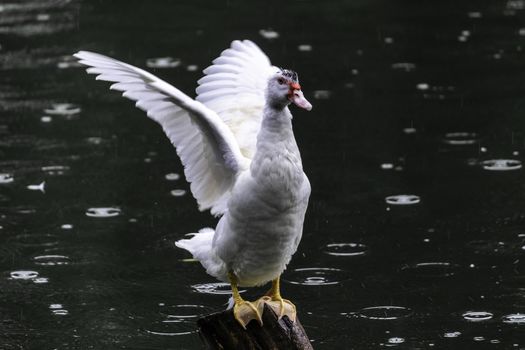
column 207, row 147
column 234, row 87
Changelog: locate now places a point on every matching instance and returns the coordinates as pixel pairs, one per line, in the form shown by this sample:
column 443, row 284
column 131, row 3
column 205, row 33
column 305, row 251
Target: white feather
column 209, row 151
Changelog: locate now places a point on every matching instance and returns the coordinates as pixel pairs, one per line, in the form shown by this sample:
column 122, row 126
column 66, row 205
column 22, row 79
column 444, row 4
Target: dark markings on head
column 290, row 74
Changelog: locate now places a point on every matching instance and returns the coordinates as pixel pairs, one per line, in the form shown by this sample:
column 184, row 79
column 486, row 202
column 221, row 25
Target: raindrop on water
column 322, row 94
column 51, row 260
column 403, row 199
column 55, row 169
column 514, row 318
column 172, row 176
column 24, row 275
column 304, row 47
column 6, row 178
column 346, row 249
column 269, row 34
column 218, row 288
column 460, row 138
column 432, row 269
column 63, row 109
column 103, row 212
column 477, row 316
column 163, row 62
column 404, row 66
column 184, row 312
column 452, row 334
column 316, row 276
column 385, row 313
column 178, row 193
column 501, row 164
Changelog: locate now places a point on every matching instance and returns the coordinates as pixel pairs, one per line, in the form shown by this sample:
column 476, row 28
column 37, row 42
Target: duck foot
column 281, row 307
column 245, row 311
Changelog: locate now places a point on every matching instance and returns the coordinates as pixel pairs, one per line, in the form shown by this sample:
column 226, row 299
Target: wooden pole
column 221, row 331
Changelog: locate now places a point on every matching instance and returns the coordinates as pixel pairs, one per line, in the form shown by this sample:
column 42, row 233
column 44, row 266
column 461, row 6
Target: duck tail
column 201, row 247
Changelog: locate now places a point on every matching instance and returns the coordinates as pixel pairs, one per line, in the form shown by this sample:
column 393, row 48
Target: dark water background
column 389, row 80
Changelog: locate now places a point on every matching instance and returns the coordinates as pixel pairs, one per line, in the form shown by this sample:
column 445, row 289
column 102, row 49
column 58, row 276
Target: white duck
column 237, row 146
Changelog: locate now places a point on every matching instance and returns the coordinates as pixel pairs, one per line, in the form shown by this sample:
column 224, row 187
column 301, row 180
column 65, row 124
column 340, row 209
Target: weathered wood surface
column 222, row 331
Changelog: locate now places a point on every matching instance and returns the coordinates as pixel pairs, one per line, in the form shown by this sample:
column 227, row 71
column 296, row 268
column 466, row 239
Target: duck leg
column 244, row 311
column 279, row 305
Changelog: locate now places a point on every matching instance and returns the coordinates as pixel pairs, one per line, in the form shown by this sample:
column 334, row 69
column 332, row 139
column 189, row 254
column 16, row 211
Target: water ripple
column 386, row 313
column 477, row 316
column 316, row 276
column 103, row 212
column 346, row 249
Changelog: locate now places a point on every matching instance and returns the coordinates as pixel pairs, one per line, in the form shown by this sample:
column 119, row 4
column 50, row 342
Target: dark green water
column 389, row 81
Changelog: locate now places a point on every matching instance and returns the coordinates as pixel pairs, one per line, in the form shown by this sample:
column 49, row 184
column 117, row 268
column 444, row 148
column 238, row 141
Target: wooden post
column 222, row 331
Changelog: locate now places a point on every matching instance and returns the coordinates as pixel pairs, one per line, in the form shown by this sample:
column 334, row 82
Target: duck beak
column 298, row 99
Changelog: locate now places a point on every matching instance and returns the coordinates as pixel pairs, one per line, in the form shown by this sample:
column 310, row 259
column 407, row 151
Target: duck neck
column 275, row 141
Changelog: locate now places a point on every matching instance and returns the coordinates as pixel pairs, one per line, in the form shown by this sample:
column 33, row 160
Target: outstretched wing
column 208, row 149
column 234, row 87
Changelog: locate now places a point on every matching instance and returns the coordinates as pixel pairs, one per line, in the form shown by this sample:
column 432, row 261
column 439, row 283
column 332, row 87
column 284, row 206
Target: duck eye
column 280, row 81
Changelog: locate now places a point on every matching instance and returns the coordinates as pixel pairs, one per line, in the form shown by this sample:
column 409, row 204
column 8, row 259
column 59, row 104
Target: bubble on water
column 387, row 166
column 46, row 119
column 66, row 227
column 184, row 312
column 514, row 318
column 385, row 313
column 404, row 66
column 178, row 192
column 6, row 178
column 304, row 47
column 452, row 334
column 460, row 138
column 172, row 176
column 163, row 62
column 51, row 260
column 403, row 199
column 63, row 109
column 432, row 269
column 346, row 249
column 269, row 34
column 478, row 338
column 409, row 130
column 388, row 40
column 218, row 288
column 24, row 275
column 55, row 169
column 316, row 276
column 501, row 164
column 55, row 306
column 192, row 68
column 103, row 212
column 322, row 94
column 477, row 316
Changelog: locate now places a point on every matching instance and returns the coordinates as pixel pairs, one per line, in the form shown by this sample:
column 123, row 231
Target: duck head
column 283, row 89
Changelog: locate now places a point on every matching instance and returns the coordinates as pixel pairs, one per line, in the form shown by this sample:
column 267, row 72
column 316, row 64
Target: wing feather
column 234, row 87
column 207, row 147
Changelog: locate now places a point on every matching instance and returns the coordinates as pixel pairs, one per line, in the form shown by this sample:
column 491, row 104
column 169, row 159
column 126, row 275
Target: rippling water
column 415, row 235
